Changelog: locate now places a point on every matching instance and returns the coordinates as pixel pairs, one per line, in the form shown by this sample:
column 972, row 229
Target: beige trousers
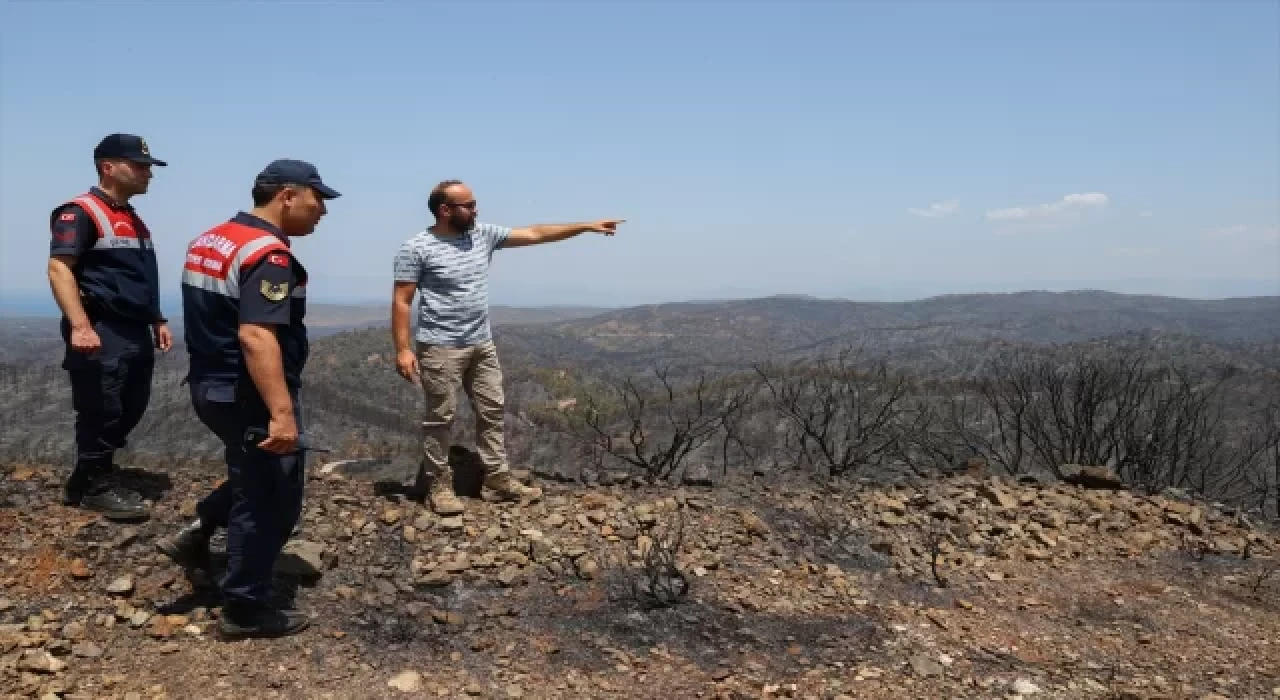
column 476, row 371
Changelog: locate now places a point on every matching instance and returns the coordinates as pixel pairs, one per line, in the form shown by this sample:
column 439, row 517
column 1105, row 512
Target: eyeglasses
column 465, row 205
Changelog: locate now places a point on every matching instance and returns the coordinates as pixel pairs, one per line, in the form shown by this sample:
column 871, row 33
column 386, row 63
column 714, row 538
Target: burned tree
column 842, row 415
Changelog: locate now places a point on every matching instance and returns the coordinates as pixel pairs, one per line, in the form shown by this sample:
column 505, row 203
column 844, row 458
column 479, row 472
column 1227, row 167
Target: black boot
column 94, row 489
column 264, row 624
column 188, row 547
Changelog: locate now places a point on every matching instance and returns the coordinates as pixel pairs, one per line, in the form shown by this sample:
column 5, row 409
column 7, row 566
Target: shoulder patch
column 278, row 259
column 274, row 292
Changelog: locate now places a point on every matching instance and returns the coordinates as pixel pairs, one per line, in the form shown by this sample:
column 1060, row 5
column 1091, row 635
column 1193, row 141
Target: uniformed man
column 102, row 270
column 244, row 298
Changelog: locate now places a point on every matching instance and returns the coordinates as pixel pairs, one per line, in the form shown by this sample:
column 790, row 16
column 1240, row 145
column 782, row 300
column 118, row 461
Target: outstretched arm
column 550, row 233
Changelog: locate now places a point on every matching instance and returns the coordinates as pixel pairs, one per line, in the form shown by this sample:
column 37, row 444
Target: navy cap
column 126, row 146
column 295, row 172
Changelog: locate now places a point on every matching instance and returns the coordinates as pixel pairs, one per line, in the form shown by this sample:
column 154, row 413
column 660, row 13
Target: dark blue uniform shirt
column 270, row 291
column 116, row 283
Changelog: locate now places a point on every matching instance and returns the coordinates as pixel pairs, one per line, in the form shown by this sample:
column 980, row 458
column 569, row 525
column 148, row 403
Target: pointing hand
column 606, row 226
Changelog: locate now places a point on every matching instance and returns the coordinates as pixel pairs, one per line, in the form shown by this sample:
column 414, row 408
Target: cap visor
column 326, row 191
column 148, row 160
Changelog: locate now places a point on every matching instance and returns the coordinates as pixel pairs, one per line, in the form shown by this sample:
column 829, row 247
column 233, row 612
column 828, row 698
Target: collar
column 247, row 219
column 111, row 202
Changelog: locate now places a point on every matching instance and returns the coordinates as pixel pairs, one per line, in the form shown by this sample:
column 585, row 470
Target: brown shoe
column 506, row 487
column 443, row 500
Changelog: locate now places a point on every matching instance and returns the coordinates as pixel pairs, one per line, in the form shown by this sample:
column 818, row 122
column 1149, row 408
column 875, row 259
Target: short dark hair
column 437, row 196
column 263, row 193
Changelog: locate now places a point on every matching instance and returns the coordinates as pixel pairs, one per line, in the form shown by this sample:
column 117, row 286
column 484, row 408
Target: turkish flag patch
column 278, row 259
column 67, row 216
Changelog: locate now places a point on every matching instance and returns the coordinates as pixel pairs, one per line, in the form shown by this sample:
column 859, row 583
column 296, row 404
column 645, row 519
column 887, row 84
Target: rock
column 1141, row 539
column 452, row 523
column 80, row 570
column 438, row 578
column 391, row 516
column 888, row 519
column 1091, row 477
column 997, row 495
column 301, row 558
column 446, row 617
column 37, row 661
column 753, row 524
column 458, row 566
column 587, row 568
column 925, row 666
column 407, row 682
column 121, row 586
column 87, row 650
column 1023, row 686
column 554, row 520
column 73, row 631
column 698, row 475
column 893, row 505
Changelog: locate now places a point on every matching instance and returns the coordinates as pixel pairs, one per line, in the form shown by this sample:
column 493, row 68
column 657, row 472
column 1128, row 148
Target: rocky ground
column 965, row 587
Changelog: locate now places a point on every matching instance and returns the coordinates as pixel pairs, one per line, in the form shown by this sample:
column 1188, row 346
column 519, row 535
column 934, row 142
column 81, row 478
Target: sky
column 858, row 149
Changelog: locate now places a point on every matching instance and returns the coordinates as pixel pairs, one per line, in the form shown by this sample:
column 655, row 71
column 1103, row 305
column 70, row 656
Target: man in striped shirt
column 447, row 265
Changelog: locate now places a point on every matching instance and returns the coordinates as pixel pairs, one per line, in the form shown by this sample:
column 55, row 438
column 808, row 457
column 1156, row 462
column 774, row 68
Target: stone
column 753, row 524
column 73, row 630
column 554, row 520
column 997, row 495
column 446, row 617
column 698, row 475
column 925, row 666
column 437, row 578
column 452, row 523
column 508, row 576
column 1022, row 686
column 80, row 570
column 121, row 586
column 587, row 568
column 406, row 682
column 37, row 661
column 301, row 558
column 1091, row 477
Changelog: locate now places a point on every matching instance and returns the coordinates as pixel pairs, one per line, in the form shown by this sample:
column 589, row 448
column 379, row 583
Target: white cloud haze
column 938, row 209
column 1068, row 204
column 1245, row 234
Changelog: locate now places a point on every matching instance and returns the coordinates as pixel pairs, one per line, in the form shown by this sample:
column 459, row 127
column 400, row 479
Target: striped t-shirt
column 452, row 274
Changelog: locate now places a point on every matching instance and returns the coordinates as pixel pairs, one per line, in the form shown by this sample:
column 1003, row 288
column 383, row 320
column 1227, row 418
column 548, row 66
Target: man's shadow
column 468, row 477
column 150, row 485
column 205, row 593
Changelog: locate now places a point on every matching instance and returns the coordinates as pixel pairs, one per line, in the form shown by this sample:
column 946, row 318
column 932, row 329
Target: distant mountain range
column 931, row 331
column 935, row 331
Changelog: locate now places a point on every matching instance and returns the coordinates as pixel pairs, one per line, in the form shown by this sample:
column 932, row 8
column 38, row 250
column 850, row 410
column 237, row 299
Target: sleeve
column 266, row 290
column 72, row 231
column 408, row 263
column 497, row 235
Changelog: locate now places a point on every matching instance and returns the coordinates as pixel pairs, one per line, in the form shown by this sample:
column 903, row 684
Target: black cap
column 126, row 146
column 295, row 172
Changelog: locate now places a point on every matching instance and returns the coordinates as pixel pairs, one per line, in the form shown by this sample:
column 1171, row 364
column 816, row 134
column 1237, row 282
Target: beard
column 462, row 225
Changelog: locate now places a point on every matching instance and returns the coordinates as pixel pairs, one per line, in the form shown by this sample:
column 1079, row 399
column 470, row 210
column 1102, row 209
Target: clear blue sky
column 855, row 149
